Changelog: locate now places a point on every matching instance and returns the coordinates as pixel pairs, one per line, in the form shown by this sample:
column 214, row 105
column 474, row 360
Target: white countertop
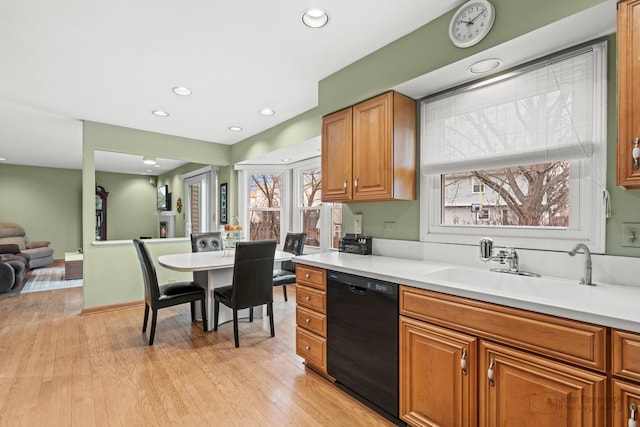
column 604, row 304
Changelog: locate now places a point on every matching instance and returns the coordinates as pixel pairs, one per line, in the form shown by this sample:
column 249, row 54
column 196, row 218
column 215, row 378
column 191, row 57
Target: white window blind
column 533, row 116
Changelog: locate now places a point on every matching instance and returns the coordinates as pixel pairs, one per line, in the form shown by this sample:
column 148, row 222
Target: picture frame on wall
column 223, row 203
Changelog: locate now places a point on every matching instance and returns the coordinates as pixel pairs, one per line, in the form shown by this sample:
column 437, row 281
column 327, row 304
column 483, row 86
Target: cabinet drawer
column 626, row 354
column 311, row 276
column 311, row 298
column 312, row 348
column 564, row 339
column 312, row 320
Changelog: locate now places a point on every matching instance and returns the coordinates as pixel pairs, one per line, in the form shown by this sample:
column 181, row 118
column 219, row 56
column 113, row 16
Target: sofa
column 13, row 268
column 14, row 242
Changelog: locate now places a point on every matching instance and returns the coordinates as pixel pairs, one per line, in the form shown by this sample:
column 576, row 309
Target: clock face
column 471, row 23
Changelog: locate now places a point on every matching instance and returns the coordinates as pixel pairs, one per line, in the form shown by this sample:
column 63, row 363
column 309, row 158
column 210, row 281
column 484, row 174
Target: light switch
column 631, row 234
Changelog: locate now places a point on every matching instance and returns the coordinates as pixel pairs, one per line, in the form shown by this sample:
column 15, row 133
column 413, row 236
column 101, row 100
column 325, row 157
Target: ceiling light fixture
column 485, row 66
column 267, row 112
column 2, row 159
column 181, row 90
column 160, row 113
column 286, row 159
column 149, row 160
column 235, row 128
column 315, row 18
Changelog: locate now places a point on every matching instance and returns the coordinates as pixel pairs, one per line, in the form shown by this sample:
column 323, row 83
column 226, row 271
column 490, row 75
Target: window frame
column 587, row 198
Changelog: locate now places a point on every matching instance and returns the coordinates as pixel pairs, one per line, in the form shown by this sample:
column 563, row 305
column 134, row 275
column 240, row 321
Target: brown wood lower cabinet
column 438, row 374
column 311, row 316
column 466, row 363
column 522, row 389
column 625, row 401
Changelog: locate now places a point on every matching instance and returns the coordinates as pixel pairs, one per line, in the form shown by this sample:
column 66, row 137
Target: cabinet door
column 337, row 137
column 373, row 149
column 626, row 397
column 628, row 44
column 524, row 390
column 438, row 374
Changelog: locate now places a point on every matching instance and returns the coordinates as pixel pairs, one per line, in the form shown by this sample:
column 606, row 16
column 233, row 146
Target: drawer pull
column 307, row 298
column 463, row 361
column 632, row 417
column 307, row 276
column 307, row 320
column 307, row 347
column 492, row 363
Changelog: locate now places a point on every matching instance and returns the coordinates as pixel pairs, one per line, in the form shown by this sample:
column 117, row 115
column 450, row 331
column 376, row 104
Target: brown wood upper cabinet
column 628, row 170
column 369, row 151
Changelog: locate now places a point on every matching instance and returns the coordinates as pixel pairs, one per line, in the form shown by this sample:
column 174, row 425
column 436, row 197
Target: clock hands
column 469, row 22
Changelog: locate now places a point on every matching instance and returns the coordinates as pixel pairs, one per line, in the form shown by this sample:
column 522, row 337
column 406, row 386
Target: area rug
column 49, row 279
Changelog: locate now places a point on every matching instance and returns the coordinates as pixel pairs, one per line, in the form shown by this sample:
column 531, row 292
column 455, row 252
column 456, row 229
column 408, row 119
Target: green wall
column 111, row 270
column 46, row 202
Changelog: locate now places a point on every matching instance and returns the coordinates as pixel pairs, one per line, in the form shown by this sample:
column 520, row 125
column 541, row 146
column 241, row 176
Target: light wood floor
column 58, row 368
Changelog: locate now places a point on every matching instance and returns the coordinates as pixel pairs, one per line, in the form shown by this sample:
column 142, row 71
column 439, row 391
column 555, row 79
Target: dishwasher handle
column 357, row 290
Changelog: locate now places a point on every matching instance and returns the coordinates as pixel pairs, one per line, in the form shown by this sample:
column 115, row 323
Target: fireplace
column 167, row 224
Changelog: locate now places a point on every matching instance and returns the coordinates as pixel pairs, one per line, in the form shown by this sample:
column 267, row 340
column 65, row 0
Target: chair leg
column 270, row 309
column 216, row 307
column 205, row 324
column 146, row 317
column 154, row 318
column 284, row 291
column 193, row 311
column 235, row 327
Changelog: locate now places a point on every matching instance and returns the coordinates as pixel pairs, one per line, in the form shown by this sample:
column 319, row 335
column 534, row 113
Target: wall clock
column 471, row 23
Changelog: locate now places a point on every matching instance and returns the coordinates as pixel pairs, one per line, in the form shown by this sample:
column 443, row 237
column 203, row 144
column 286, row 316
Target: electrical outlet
column 631, row 234
column 357, row 223
column 388, row 225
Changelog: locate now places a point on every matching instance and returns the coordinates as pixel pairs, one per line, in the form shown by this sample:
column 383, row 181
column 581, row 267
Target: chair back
column 294, row 244
column 151, row 289
column 206, row 242
column 252, row 273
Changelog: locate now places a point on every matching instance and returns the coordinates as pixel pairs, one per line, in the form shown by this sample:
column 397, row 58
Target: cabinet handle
column 344, row 185
column 632, row 417
column 463, row 361
column 492, row 363
column 307, row 347
column 307, row 298
column 307, row 320
column 356, row 183
column 306, row 276
column 635, row 153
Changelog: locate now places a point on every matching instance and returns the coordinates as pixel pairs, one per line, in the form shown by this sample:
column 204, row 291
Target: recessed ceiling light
column 149, row 160
column 2, row 159
column 181, row 90
column 267, row 112
column 286, row 159
column 156, row 165
column 485, row 66
column 160, row 113
column 315, row 18
column 149, row 170
column 235, row 128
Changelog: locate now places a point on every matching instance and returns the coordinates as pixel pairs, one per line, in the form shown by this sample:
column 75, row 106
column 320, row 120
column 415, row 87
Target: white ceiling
column 114, row 62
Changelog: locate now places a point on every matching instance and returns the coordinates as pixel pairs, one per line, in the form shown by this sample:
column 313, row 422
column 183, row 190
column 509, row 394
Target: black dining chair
column 286, row 274
column 251, row 285
column 161, row 296
column 205, row 242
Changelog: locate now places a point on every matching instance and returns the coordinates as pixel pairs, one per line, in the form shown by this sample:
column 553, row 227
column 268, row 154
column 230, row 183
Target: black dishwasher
column 362, row 339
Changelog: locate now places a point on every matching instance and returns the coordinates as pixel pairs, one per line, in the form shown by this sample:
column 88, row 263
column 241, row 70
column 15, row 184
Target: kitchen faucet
column 586, row 279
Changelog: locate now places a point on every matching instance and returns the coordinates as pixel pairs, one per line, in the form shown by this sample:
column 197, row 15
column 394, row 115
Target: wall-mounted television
column 164, row 198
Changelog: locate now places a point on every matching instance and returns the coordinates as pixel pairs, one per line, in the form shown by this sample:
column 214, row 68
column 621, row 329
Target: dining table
column 219, row 265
